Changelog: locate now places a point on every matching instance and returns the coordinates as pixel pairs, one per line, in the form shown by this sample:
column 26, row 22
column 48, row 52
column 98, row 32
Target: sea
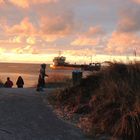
column 29, row 73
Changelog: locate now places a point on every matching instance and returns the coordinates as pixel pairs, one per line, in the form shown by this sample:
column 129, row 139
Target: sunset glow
column 35, row 31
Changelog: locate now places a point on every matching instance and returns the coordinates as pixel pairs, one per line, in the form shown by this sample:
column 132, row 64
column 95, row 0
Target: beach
column 30, row 72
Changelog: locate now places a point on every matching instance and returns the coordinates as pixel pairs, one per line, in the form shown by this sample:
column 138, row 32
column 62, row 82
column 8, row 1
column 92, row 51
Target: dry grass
column 56, row 80
column 109, row 100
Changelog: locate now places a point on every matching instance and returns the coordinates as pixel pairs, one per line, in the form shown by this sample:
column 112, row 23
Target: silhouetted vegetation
column 109, row 102
column 58, row 81
column 1, row 83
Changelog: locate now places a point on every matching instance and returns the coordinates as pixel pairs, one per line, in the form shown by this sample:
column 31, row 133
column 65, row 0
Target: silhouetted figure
column 20, row 82
column 41, row 78
column 8, row 83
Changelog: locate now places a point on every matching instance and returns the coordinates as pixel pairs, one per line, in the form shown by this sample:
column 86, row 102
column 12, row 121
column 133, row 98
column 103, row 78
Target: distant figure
column 41, row 78
column 8, row 83
column 20, row 82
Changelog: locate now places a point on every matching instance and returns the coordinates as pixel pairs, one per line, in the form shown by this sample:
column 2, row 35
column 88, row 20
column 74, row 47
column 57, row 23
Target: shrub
column 113, row 99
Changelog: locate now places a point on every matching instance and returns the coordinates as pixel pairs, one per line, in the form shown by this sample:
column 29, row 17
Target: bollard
column 77, row 77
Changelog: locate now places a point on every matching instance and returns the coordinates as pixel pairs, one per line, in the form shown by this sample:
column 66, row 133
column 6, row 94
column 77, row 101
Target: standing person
column 8, row 83
column 20, row 82
column 41, row 78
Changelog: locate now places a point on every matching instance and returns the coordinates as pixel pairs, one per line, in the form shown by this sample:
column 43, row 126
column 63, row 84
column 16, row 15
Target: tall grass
column 109, row 100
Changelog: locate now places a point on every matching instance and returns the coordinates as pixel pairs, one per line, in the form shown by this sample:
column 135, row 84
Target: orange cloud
column 137, row 1
column 93, row 31
column 31, row 40
column 84, row 41
column 25, row 27
column 126, row 24
column 28, row 3
column 15, row 39
column 57, row 25
column 49, row 28
column 1, row 1
column 27, row 49
column 129, row 21
column 80, row 52
column 19, row 44
column 50, row 38
column 20, row 3
column 43, row 1
column 7, row 45
column 121, row 42
column 90, row 38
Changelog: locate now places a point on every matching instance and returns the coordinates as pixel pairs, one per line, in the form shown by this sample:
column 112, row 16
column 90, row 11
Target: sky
column 82, row 30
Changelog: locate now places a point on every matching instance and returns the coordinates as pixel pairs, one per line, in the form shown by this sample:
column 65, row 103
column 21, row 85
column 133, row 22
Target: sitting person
column 8, row 83
column 20, row 82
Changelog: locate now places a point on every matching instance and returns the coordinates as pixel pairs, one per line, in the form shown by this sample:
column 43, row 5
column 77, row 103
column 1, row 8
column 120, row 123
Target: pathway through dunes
column 25, row 116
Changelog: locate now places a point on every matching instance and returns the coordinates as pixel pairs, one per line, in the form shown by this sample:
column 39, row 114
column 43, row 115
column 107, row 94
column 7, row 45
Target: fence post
column 77, row 77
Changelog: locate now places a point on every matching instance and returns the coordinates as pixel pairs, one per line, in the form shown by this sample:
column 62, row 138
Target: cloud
column 94, row 31
column 126, row 36
column 31, row 40
column 28, row 3
column 129, row 21
column 7, row 43
column 137, row 1
column 64, row 25
column 84, row 41
column 26, row 49
column 2, row 50
column 49, row 28
column 15, row 39
column 122, row 42
column 20, row 3
column 57, row 25
column 24, row 27
column 90, row 38
column 80, row 52
column 19, row 44
column 1, row 1
column 50, row 38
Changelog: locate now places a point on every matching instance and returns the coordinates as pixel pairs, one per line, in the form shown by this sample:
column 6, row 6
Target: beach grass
column 108, row 101
column 58, row 80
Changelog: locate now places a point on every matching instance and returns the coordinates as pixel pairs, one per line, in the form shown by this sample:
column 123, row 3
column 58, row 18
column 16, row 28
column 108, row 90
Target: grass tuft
column 109, row 101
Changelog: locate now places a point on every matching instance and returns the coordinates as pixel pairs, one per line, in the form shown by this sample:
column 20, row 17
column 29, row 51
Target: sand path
column 25, row 116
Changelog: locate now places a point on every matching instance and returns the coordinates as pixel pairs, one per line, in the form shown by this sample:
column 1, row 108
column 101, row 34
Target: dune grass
column 58, row 80
column 109, row 101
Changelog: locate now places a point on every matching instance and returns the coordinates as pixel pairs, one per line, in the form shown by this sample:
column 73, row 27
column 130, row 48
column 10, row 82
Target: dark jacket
column 20, row 82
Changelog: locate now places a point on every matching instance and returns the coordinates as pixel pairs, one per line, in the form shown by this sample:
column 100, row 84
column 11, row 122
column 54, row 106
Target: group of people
column 19, row 82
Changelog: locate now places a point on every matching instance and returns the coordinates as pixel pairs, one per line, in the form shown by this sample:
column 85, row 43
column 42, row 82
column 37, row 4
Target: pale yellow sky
column 46, row 58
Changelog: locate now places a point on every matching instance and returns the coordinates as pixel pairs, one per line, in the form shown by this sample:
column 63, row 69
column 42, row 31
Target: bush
column 112, row 97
